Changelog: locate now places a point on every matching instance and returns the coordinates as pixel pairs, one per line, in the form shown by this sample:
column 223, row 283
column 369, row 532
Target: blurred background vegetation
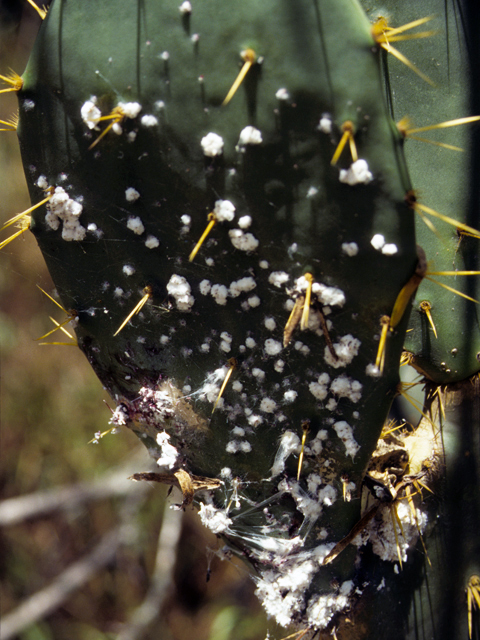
column 51, row 406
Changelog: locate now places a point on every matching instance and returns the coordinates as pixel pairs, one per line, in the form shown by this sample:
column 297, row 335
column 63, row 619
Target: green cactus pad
column 128, row 209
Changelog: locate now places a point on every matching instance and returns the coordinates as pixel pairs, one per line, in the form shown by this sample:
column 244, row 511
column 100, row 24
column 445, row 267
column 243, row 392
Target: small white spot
column 345, row 387
column 270, row 323
column 279, row 366
column 389, row 249
column 378, row 241
column 205, row 347
column 282, row 94
column 212, row 145
column 289, row 443
column 205, row 287
column 149, row 121
column 358, row 173
column 325, row 124
column 329, row 296
column 250, row 135
column 219, row 293
column 245, row 447
column 28, row 105
column 243, row 285
column 232, row 446
column 128, row 269
column 186, row 220
column 319, row 389
column 277, row 278
column 254, row 420
column 350, row 248
column 345, row 433
column 254, row 301
column 131, row 194
column 152, row 242
column 290, row 395
column 268, row 405
column 118, row 292
column 90, row 113
column 185, row 7
column 258, row 373
column 244, row 222
column 168, row 453
column 243, row 241
column 226, row 337
column 135, row 224
column 346, row 349
column 214, row 519
column 164, row 339
column 224, row 210
column 263, row 264
column 179, row 288
column 331, row 404
column 373, row 371
column 237, row 386
column 165, row 55
column 130, row 109
column 42, row 182
column 312, row 192
column 250, row 343
column 273, row 347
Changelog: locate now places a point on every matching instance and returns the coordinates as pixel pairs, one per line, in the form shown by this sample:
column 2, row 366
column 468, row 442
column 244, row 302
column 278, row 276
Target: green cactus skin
column 441, row 179
column 444, row 182
column 439, row 606
column 165, row 367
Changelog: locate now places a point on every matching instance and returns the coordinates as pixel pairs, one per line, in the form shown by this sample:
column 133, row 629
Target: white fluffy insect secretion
column 90, row 113
column 325, row 124
column 249, row 136
column 289, row 443
column 224, row 210
column 130, row 109
column 345, row 432
column 180, row 290
column 212, row 145
column 168, row 453
column 346, row 349
column 62, row 209
column 358, row 173
column 243, row 241
column 214, row 519
column 135, row 224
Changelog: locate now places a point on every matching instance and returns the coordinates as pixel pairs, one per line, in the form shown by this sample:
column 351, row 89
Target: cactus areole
column 252, row 358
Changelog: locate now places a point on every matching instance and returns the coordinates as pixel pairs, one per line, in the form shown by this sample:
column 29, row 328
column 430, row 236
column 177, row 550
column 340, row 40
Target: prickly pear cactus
column 258, row 365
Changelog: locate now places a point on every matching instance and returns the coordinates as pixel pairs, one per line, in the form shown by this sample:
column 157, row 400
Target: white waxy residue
column 345, row 433
column 212, row 145
column 168, row 453
column 135, row 224
column 358, row 173
column 180, row 290
column 90, row 113
column 131, row 194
